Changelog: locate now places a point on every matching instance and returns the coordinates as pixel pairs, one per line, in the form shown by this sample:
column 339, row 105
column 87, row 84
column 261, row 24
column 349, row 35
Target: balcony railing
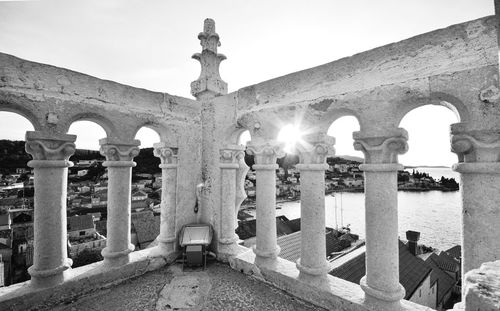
column 455, row 67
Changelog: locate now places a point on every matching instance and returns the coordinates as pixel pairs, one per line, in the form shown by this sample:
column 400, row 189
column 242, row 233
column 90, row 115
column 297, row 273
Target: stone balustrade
column 197, row 147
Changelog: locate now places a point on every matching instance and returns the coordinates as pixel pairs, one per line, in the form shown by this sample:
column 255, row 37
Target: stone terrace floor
column 216, row 288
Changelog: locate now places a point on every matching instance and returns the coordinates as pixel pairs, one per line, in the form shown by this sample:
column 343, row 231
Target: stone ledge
column 81, row 281
column 482, row 288
column 338, row 294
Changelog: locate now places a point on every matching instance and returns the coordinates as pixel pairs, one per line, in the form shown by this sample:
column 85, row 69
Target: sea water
column 435, row 214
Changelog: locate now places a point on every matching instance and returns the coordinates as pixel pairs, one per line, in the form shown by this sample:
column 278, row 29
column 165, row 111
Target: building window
column 433, row 289
column 82, row 233
column 419, row 293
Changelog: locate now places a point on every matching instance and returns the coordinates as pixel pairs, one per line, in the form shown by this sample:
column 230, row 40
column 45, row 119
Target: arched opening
column 16, row 194
column 244, row 138
column 430, row 203
column 342, row 130
column 87, row 195
column 87, row 134
column 146, row 190
column 147, row 136
column 345, row 205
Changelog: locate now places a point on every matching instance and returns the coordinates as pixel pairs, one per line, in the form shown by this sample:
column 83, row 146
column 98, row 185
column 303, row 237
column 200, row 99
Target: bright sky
column 149, row 45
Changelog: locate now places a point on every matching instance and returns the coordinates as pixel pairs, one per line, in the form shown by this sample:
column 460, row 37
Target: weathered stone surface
column 184, row 292
column 482, row 288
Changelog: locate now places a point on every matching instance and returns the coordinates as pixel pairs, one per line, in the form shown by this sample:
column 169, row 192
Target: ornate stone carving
column 266, row 153
column 476, row 146
column 118, row 151
column 231, row 154
column 382, row 149
column 167, row 155
column 314, row 149
column 241, row 174
column 209, row 80
column 50, row 147
column 490, row 94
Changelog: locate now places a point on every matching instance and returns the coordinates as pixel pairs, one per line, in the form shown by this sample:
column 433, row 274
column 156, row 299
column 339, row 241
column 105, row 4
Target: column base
column 266, row 258
column 167, row 244
column 160, row 251
column 312, row 271
column 50, row 277
column 390, row 297
column 317, row 276
column 116, row 259
column 227, row 251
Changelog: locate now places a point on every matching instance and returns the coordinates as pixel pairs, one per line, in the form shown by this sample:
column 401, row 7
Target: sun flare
column 290, row 135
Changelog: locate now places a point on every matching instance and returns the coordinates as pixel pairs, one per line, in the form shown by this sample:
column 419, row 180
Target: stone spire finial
column 209, row 84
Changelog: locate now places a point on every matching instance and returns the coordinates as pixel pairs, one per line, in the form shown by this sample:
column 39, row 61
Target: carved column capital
column 119, row 150
column 167, row 155
column 475, row 145
column 232, row 154
column 382, row 149
column 266, row 152
column 45, row 147
column 314, row 149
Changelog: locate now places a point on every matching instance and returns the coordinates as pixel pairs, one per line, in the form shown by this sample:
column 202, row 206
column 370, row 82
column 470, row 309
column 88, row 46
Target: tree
column 87, row 256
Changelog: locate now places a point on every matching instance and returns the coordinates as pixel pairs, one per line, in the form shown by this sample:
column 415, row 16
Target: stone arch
column 160, row 130
column 35, row 121
column 330, row 117
column 344, row 141
column 152, row 128
column 428, row 136
column 440, row 99
column 103, row 122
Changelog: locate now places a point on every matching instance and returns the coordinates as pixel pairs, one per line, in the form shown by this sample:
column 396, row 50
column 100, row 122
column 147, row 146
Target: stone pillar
column 119, row 162
column 266, row 154
column 168, row 157
column 479, row 167
column 381, row 282
column 50, row 163
column 229, row 164
column 313, row 152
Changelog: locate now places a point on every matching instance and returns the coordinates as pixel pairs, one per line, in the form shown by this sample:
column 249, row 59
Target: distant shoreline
column 428, row 166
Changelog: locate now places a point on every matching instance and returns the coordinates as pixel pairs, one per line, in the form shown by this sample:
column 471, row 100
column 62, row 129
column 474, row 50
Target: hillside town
column 87, row 214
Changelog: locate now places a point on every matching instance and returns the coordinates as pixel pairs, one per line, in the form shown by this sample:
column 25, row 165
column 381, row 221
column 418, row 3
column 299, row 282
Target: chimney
column 413, row 237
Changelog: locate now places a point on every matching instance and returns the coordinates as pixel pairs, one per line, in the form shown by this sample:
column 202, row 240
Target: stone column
column 313, row 152
column 119, row 162
column 50, row 163
column 479, row 167
column 229, row 164
column 266, row 154
column 168, row 167
column 381, row 282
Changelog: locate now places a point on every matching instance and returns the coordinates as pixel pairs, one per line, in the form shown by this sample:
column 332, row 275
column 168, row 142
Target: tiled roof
column 412, row 270
column 77, row 223
column 294, row 224
column 333, row 244
column 248, row 228
column 290, row 245
column 445, row 281
column 23, row 217
column 147, row 227
column 445, row 262
column 455, row 252
column 138, row 193
column 101, row 227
